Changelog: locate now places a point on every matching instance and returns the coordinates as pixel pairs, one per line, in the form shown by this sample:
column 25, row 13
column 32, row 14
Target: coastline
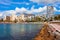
column 44, row 34
column 22, row 22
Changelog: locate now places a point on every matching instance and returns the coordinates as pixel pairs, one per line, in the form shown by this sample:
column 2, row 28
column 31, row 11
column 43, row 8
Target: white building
column 4, row 18
column 50, row 12
column 29, row 16
column 21, row 17
column 13, row 17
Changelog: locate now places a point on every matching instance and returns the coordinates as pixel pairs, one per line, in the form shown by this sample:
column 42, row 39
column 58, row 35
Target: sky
column 8, row 7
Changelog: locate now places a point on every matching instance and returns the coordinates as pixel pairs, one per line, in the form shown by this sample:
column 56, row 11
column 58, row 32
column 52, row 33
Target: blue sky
column 7, row 5
column 12, row 4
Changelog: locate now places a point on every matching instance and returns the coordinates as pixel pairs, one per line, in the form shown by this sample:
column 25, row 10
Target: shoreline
column 22, row 22
column 44, row 34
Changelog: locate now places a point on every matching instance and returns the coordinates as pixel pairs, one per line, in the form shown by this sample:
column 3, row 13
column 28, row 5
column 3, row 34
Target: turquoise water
column 19, row 31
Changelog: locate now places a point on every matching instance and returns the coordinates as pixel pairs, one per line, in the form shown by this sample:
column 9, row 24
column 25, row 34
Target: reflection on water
column 19, row 31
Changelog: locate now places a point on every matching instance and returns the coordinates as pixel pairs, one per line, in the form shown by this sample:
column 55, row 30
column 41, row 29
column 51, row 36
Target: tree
column 57, row 17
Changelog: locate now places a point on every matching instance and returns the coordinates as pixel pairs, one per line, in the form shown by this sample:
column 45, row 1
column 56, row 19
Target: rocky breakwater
column 44, row 34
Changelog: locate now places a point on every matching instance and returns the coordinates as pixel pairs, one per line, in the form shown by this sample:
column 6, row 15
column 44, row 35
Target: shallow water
column 19, row 31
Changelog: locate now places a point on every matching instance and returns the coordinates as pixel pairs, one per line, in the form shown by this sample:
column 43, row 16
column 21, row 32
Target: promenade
column 50, row 31
column 55, row 26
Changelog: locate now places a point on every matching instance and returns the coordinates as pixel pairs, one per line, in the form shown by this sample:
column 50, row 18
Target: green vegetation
column 35, row 19
column 1, row 20
column 57, row 17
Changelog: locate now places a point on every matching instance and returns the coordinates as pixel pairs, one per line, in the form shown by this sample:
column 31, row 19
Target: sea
column 18, row 31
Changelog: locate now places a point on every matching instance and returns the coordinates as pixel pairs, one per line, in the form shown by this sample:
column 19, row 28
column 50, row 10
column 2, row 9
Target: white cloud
column 56, row 10
column 36, row 1
column 45, row 1
column 21, row 10
column 24, row 10
column 9, row 2
column 41, row 9
column 1, row 14
column 10, row 12
column 27, row 3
